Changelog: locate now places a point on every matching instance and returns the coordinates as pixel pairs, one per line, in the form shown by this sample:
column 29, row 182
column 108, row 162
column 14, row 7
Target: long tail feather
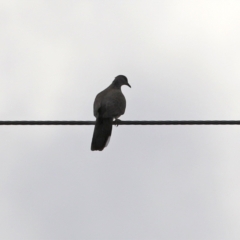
column 102, row 133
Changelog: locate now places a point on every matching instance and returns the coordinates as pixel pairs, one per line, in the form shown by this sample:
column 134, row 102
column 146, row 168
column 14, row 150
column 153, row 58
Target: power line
column 161, row 122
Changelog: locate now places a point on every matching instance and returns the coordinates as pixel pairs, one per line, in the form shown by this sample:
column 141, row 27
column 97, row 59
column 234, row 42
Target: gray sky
column 151, row 182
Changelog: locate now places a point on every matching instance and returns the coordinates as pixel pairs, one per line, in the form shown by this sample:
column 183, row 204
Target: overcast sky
column 182, row 60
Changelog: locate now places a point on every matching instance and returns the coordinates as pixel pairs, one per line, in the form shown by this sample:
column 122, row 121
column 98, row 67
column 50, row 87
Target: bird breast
column 113, row 104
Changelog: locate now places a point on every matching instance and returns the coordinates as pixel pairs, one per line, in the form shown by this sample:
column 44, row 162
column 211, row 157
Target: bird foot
column 116, row 122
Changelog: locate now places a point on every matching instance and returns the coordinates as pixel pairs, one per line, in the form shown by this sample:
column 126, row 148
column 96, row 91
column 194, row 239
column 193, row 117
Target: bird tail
column 102, row 133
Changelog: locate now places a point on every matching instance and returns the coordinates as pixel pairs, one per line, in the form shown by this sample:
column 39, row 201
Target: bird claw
column 116, row 122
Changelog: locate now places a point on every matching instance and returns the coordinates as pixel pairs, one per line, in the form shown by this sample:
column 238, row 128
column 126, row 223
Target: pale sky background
column 182, row 59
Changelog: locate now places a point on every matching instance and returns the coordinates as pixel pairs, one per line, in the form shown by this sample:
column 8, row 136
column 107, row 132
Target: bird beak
column 128, row 85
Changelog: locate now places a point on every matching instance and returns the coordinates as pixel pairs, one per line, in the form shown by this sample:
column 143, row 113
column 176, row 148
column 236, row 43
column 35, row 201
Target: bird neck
column 116, row 84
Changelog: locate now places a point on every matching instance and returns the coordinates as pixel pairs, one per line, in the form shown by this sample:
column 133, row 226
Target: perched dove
column 108, row 104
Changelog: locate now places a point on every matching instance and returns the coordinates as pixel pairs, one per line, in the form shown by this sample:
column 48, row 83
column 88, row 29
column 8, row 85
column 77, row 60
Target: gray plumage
column 108, row 104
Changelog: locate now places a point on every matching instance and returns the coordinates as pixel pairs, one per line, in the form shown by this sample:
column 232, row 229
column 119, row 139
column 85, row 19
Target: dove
column 108, row 105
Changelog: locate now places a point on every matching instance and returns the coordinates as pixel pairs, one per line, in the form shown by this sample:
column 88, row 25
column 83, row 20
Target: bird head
column 120, row 80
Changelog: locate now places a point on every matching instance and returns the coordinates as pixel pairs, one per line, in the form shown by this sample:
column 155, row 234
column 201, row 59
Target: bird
column 108, row 105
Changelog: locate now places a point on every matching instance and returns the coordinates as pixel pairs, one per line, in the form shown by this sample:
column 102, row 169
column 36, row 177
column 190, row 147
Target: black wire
column 162, row 122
